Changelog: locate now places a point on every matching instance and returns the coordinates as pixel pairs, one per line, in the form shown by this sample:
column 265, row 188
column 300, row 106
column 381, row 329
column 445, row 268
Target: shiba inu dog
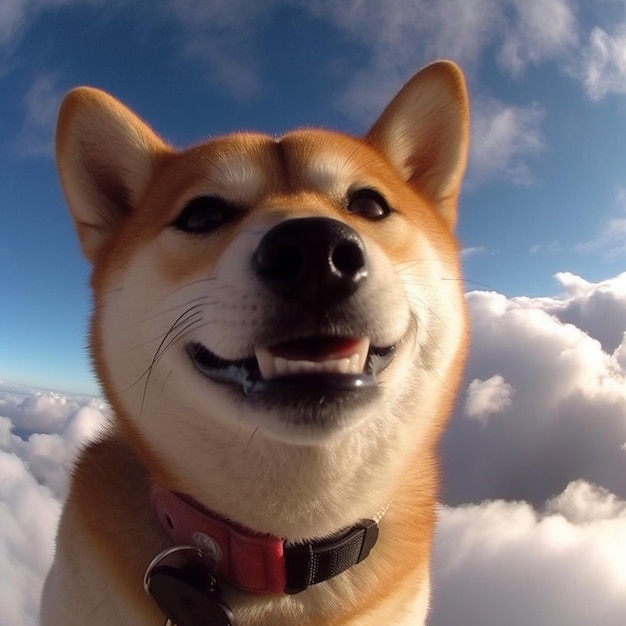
column 280, row 329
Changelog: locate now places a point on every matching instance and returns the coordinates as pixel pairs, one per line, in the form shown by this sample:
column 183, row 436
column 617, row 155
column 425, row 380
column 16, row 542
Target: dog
column 279, row 327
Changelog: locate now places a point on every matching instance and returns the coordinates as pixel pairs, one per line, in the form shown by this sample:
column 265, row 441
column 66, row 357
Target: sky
column 532, row 528
column 546, row 185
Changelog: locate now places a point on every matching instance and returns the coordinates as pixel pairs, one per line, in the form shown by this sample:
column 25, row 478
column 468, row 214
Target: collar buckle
column 311, row 563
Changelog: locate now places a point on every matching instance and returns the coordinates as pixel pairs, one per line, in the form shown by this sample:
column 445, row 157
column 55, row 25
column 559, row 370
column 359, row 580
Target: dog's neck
column 254, row 562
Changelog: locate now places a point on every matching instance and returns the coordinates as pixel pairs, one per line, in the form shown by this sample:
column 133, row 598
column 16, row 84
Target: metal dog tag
column 188, row 596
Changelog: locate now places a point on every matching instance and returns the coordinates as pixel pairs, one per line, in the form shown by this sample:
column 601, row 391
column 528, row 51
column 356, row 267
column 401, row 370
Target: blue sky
column 546, row 188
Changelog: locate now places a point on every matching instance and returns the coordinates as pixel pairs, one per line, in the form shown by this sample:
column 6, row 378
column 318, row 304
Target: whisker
column 201, row 299
column 182, row 319
column 206, row 279
column 473, row 282
column 178, row 321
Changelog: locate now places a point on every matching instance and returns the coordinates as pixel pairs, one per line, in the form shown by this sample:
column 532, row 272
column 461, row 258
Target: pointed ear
column 424, row 132
column 106, row 158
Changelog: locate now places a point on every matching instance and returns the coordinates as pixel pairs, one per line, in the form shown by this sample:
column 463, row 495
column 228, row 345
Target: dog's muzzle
column 313, row 266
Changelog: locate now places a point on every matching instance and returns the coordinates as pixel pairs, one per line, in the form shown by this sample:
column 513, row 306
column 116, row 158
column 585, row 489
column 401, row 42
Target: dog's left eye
column 204, row 214
column 368, row 204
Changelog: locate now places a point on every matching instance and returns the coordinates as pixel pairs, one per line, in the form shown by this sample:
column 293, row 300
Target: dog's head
column 303, row 289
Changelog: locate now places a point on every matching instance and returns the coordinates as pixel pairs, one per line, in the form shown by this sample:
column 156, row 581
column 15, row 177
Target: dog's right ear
column 106, row 158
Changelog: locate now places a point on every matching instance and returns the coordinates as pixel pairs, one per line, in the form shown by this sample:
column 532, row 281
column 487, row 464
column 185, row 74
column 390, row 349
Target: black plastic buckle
column 311, row 563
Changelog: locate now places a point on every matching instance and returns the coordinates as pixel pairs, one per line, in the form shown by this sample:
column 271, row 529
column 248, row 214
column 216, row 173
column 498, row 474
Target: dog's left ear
column 424, row 132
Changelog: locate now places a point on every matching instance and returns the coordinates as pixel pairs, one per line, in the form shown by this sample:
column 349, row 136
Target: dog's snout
column 317, row 261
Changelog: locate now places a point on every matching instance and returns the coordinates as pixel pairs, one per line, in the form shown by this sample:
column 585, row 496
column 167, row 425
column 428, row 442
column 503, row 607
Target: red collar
column 254, row 562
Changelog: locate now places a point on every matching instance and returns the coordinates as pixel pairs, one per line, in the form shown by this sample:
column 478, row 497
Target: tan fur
column 124, row 187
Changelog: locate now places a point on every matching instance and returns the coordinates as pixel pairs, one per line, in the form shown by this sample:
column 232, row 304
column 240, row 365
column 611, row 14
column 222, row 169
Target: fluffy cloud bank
column 534, row 526
column 554, row 404
column 503, row 562
column 40, row 433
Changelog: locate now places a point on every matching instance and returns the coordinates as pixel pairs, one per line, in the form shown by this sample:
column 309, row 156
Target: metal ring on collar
column 163, row 555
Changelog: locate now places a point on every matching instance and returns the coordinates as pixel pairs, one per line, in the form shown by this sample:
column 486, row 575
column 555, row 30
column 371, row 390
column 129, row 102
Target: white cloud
column 401, row 35
column 541, row 30
column 597, row 308
column 502, row 562
column 583, row 503
column 620, row 357
column 28, row 517
column 39, row 436
column 568, row 417
column 610, row 241
column 394, row 39
column 546, row 248
column 503, row 137
column 41, row 106
column 224, row 34
column 485, row 398
column 604, row 63
column 39, row 411
column 16, row 15
column 466, row 253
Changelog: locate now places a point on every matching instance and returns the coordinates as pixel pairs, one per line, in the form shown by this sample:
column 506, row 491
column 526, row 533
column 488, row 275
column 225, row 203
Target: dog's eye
column 204, row 214
column 368, row 204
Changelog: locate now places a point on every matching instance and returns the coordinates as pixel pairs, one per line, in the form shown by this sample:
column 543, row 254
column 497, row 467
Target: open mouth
column 320, row 363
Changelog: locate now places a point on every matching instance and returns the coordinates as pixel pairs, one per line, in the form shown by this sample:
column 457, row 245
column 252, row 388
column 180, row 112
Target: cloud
column 546, row 248
column 34, row 475
column 17, row 15
column 541, row 30
column 28, row 516
column 392, row 41
column 41, row 106
column 39, row 411
column 485, row 398
column 610, row 242
column 400, row 35
column 599, row 309
column 466, row 253
column 604, row 63
column 224, row 34
column 567, row 418
column 582, row 503
column 506, row 563
column 503, row 137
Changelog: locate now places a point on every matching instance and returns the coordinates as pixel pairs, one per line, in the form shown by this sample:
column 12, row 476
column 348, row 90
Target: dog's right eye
column 369, row 204
column 204, row 214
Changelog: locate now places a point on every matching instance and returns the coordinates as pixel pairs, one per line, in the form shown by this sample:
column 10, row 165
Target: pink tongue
column 316, row 349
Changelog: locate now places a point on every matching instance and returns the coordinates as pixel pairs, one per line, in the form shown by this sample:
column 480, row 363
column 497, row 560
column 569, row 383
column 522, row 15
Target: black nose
column 314, row 261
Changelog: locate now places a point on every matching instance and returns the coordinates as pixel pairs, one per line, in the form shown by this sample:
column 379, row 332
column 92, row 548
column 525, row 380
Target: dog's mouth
column 318, row 363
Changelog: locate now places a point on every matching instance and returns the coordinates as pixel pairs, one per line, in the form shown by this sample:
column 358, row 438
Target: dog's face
column 286, row 286
column 302, row 289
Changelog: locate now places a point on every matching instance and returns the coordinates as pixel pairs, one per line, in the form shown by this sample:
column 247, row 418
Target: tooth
column 300, row 367
column 354, row 364
column 281, row 366
column 266, row 362
column 343, row 365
